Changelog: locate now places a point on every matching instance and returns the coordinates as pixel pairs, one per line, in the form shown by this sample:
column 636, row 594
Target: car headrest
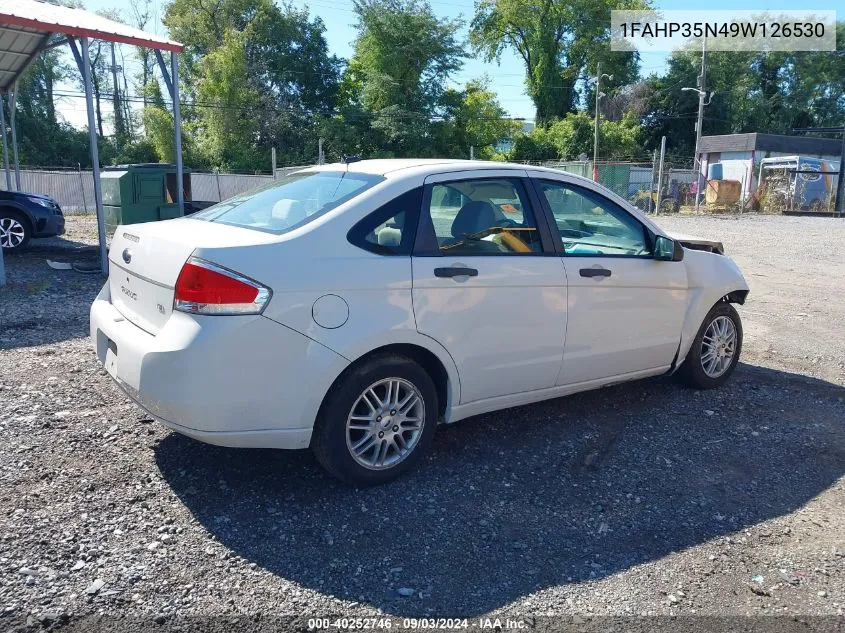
column 389, row 237
column 473, row 217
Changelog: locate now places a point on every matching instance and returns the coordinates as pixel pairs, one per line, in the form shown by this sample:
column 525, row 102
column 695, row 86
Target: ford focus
column 351, row 308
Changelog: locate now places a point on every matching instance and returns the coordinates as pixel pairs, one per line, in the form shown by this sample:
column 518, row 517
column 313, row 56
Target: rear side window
column 291, row 201
column 390, row 229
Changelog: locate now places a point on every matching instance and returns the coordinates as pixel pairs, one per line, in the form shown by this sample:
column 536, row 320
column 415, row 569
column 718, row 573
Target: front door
column 487, row 285
column 626, row 309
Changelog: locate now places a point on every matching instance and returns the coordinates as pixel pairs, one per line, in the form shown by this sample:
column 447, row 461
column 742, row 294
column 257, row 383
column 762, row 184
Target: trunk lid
column 145, row 261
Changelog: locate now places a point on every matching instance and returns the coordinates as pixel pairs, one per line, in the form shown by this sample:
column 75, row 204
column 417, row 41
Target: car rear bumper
column 240, row 381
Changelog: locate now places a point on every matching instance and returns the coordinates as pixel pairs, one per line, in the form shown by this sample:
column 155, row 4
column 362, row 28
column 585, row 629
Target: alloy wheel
column 385, row 424
column 12, row 233
column 718, row 346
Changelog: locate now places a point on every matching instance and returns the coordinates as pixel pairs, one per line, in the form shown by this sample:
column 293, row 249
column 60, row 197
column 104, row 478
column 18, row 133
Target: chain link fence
column 74, row 189
column 675, row 188
column 782, row 190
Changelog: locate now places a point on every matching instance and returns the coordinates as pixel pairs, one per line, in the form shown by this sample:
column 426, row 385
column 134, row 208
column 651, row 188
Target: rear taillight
column 205, row 288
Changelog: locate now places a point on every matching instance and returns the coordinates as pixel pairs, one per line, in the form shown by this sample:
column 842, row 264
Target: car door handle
column 455, row 271
column 595, row 272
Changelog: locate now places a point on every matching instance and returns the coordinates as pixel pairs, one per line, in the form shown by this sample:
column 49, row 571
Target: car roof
column 389, row 167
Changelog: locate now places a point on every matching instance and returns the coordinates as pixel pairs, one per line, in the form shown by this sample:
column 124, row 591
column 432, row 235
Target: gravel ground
column 640, row 499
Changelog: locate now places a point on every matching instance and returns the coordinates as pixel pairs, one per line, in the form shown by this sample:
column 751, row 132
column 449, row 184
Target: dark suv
column 27, row 215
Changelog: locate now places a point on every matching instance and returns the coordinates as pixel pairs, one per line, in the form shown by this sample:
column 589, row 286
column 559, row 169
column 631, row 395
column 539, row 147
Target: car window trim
column 426, row 244
column 557, row 240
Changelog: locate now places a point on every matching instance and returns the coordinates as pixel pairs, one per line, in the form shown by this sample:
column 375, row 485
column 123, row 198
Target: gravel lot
column 645, row 498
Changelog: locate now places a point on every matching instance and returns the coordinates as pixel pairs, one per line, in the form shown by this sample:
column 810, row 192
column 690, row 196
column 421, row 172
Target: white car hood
column 698, row 243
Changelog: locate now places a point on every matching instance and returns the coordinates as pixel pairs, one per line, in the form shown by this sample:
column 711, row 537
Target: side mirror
column 667, row 250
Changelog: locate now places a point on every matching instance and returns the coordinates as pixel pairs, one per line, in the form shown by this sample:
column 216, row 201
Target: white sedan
column 351, row 308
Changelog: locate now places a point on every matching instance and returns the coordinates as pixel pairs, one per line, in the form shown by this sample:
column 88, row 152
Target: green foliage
column 260, row 76
column 228, row 122
column 754, row 92
column 570, row 137
column 559, row 42
column 43, row 138
column 256, row 75
column 474, row 118
column 403, row 54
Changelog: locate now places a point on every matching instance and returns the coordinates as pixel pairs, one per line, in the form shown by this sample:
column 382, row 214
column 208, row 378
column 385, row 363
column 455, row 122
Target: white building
column 738, row 156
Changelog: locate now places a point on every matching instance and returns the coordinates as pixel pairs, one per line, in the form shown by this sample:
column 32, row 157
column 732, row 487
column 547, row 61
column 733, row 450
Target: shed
column 736, row 156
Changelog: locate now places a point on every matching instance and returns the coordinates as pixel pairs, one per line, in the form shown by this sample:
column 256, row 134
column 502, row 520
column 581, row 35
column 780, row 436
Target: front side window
column 489, row 216
column 291, row 201
column 590, row 224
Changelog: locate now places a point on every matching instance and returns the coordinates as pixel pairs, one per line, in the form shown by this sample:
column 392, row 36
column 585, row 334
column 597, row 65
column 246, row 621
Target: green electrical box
column 141, row 193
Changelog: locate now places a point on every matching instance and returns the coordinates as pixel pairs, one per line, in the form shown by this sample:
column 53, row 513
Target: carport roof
column 27, row 26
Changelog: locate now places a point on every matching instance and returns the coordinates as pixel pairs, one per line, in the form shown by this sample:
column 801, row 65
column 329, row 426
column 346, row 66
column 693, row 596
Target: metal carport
column 29, row 27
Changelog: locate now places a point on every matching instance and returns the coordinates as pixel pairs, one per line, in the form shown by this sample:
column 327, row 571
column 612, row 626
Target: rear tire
column 377, row 421
column 715, row 350
column 14, row 231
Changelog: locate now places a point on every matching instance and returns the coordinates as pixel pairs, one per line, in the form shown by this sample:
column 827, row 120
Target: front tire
column 377, row 421
column 14, row 231
column 715, row 350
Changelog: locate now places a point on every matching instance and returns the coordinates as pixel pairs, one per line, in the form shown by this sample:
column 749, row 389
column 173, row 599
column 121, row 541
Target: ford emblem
column 127, row 255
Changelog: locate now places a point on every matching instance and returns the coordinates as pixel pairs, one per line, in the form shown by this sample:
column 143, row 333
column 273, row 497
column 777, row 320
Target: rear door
column 487, row 283
column 626, row 309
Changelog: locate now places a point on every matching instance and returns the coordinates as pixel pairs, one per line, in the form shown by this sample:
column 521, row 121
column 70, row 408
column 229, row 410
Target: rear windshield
column 291, row 201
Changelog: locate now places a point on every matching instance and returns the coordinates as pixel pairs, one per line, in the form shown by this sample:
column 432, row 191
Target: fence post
column 651, row 186
column 273, row 160
column 321, row 158
column 660, row 172
column 217, row 178
column 82, row 188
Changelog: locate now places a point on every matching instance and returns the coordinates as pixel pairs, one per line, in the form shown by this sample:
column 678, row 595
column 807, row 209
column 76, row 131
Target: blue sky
column 506, row 78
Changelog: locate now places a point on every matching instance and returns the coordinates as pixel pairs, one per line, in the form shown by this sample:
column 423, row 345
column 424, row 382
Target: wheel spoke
column 364, row 444
column 388, row 397
column 365, row 397
column 381, row 453
column 408, row 404
column 381, row 431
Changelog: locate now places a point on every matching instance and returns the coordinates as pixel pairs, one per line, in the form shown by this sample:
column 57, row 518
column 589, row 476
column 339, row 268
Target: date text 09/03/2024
column 387, row 623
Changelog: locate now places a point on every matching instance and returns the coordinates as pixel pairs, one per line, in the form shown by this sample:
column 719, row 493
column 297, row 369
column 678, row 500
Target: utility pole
column 660, row 173
column 702, row 92
column 599, row 95
column 119, row 130
column 839, row 204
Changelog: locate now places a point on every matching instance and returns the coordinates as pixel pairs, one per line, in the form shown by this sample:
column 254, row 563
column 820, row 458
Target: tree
column 141, row 10
column 403, row 54
column 228, row 119
column 394, row 83
column 754, row 92
column 559, row 42
column 43, row 138
column 475, row 119
column 267, row 93
column 570, row 137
